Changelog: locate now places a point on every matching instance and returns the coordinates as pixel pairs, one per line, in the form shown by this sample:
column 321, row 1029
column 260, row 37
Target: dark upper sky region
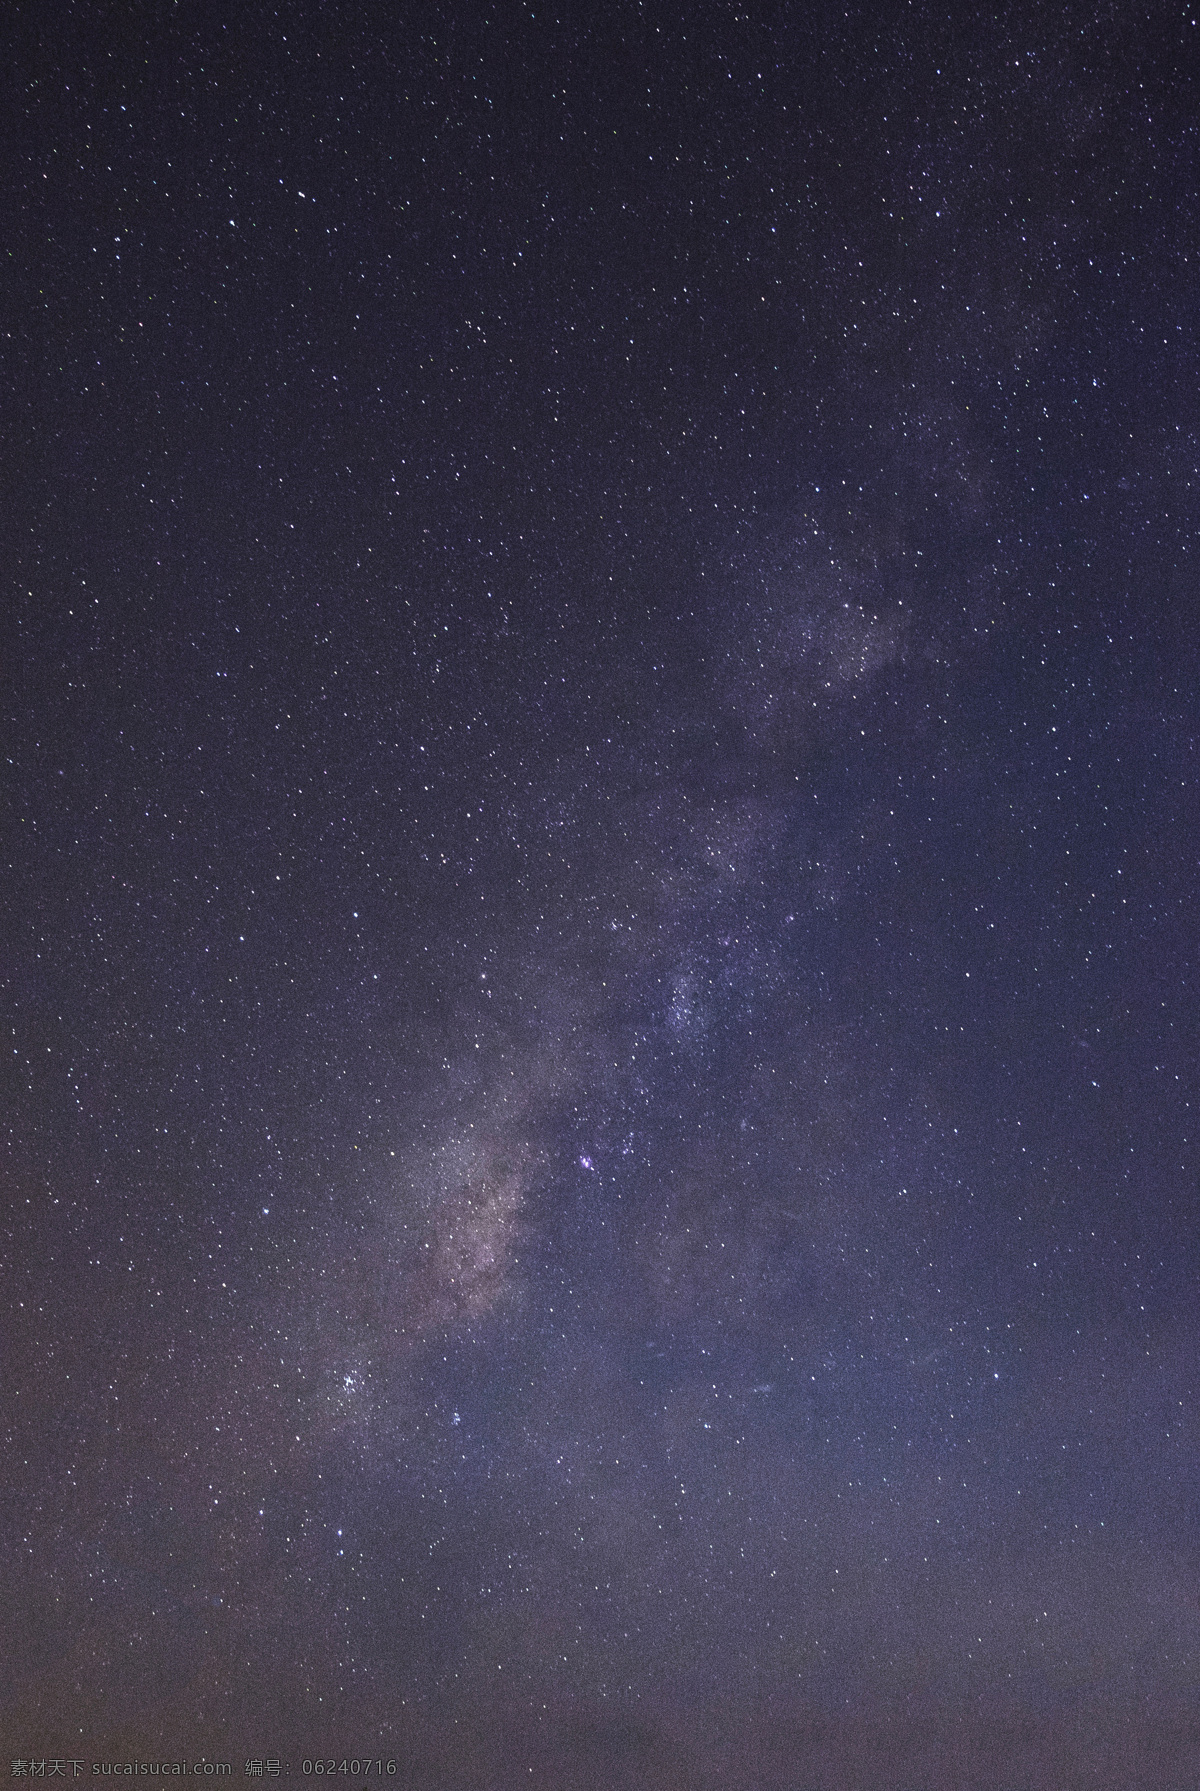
column 599, row 904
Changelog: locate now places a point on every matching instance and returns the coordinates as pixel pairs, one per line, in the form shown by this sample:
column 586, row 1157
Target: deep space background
column 599, row 894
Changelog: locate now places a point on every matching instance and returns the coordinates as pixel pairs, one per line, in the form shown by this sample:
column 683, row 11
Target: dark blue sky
column 600, row 687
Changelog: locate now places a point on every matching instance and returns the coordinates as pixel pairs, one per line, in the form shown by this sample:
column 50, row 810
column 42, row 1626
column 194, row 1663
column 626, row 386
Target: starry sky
column 599, row 899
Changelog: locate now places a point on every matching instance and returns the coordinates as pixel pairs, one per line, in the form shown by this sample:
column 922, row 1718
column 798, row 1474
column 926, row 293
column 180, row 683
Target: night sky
column 601, row 665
